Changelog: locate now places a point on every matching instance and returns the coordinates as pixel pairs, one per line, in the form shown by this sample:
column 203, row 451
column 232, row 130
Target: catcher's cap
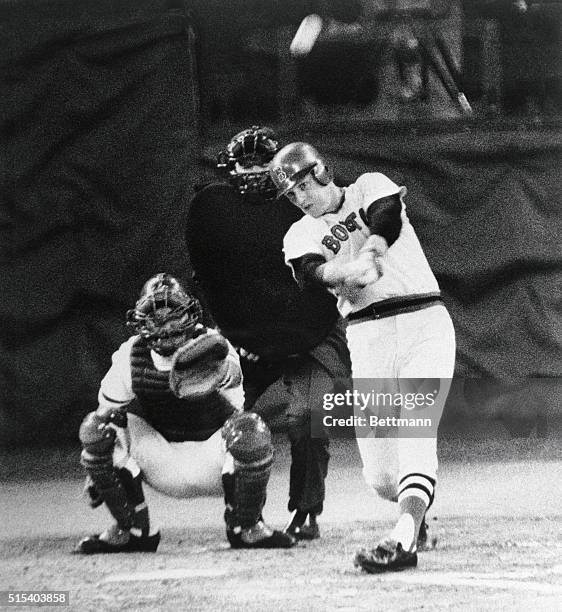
column 293, row 162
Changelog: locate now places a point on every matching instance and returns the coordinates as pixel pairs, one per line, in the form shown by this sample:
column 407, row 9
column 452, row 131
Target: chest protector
column 178, row 420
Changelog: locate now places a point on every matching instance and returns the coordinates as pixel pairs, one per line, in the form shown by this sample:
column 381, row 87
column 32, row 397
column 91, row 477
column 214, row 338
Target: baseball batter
column 358, row 242
column 170, row 415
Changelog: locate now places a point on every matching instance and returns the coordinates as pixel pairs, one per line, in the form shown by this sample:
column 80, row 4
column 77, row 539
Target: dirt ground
column 496, row 524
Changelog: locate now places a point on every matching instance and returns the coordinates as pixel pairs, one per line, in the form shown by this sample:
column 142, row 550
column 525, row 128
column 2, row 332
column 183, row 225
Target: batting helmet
column 165, row 314
column 255, row 146
column 293, row 162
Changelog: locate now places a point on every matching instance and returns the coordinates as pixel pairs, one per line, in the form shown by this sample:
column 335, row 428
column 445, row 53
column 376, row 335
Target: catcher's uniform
column 398, row 328
column 176, row 443
column 185, row 432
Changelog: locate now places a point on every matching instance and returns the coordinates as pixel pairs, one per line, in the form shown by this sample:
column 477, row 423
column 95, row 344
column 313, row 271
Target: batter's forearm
column 332, row 273
column 315, row 270
column 354, row 274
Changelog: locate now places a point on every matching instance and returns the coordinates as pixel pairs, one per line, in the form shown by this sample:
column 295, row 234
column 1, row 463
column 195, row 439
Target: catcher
column 185, row 435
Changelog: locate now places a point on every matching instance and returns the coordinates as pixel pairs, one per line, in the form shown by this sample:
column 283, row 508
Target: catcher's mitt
column 199, row 367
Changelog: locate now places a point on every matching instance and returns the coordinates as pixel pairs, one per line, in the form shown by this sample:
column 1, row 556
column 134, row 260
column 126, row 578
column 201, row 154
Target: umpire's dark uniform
column 235, row 245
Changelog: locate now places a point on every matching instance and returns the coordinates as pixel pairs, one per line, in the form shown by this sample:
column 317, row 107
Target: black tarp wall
column 99, row 127
column 100, row 138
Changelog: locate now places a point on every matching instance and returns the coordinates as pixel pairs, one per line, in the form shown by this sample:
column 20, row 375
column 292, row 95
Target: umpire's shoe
column 115, row 540
column 299, row 530
column 259, row 536
column 388, row 556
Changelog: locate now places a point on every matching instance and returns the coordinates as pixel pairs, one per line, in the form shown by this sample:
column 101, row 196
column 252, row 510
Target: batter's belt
column 395, row 306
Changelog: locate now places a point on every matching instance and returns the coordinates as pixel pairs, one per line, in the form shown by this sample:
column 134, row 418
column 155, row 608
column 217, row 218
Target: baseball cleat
column 388, row 556
column 93, row 545
column 299, row 530
column 259, row 536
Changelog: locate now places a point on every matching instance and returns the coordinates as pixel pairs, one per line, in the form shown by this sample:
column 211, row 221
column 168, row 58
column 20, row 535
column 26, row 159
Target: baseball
column 306, row 36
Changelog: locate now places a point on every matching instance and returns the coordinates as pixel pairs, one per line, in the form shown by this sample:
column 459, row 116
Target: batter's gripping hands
column 199, row 367
column 362, row 271
column 376, row 245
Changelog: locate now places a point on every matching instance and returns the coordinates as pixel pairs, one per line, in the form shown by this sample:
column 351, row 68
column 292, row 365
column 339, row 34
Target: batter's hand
column 363, row 271
column 375, row 244
column 352, row 275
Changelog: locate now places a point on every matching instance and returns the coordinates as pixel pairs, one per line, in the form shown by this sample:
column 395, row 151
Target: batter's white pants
column 178, row 469
column 418, row 344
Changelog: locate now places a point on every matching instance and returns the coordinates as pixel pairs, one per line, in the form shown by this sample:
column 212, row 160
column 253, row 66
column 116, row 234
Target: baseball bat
column 439, row 64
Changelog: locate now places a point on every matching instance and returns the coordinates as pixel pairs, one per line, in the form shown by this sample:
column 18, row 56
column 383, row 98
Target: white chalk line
column 169, row 574
column 513, row 580
column 496, row 580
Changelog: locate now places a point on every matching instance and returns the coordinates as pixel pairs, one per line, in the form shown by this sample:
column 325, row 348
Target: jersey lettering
column 340, row 233
column 350, row 223
column 363, row 216
column 331, row 243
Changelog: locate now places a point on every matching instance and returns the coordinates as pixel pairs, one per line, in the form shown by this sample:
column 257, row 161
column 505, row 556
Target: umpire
column 234, row 235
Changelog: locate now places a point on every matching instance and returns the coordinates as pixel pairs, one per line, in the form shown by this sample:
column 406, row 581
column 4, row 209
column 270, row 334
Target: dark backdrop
column 99, row 127
column 100, row 134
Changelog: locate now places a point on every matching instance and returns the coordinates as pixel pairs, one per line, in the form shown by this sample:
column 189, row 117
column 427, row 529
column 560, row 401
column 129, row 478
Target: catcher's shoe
column 259, row 536
column 94, row 544
column 298, row 528
column 388, row 556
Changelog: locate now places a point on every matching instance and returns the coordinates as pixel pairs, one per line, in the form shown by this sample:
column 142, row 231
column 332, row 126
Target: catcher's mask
column 255, row 146
column 293, row 163
column 165, row 314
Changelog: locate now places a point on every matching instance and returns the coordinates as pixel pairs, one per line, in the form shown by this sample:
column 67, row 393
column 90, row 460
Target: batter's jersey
column 341, row 235
column 235, row 245
column 116, row 388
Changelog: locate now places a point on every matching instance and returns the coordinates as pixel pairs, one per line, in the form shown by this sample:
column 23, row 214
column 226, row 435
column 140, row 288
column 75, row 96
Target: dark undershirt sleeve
column 305, row 270
column 383, row 218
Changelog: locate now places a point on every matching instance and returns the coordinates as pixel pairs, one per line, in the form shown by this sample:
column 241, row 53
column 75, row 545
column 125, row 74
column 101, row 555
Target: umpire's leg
column 306, row 381
column 258, row 377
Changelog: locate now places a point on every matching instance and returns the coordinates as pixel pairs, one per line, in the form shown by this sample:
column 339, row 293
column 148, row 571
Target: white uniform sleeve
column 300, row 240
column 116, row 386
column 375, row 186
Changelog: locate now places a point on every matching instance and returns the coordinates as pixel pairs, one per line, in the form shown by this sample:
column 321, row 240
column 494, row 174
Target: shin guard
column 248, row 440
column 98, row 440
